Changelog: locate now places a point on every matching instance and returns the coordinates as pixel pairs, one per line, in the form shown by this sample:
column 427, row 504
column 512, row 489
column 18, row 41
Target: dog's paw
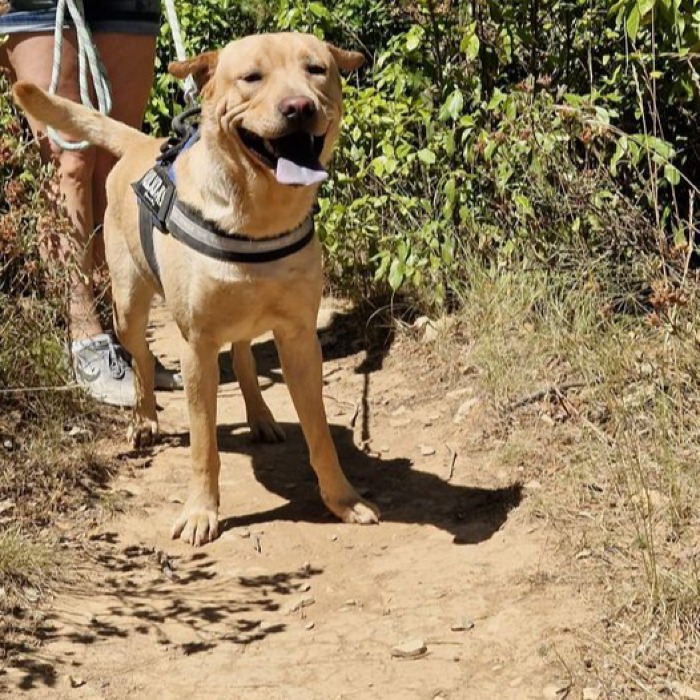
column 353, row 509
column 142, row 434
column 265, row 429
column 197, row 525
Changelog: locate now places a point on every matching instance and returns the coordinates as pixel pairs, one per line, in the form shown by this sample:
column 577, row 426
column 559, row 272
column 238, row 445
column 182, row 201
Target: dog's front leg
column 300, row 355
column 200, row 370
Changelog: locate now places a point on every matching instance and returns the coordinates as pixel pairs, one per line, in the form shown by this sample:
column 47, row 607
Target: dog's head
column 274, row 101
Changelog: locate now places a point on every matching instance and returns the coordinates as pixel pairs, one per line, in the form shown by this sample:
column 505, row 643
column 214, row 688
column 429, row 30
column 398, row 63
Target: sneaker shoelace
column 117, row 363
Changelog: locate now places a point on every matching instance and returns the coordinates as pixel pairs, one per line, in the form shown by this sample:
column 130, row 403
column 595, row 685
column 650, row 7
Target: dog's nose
column 297, row 109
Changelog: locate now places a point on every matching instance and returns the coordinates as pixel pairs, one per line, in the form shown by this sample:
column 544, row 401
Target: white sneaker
column 101, row 369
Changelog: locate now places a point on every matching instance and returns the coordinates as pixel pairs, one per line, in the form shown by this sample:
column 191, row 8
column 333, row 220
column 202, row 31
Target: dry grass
column 619, row 397
column 44, row 471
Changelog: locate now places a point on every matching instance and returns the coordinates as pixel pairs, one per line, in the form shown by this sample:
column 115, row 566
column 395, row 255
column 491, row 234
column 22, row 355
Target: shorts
column 120, row 16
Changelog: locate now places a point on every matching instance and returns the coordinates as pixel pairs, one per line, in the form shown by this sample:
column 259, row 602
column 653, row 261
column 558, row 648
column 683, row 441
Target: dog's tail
column 76, row 121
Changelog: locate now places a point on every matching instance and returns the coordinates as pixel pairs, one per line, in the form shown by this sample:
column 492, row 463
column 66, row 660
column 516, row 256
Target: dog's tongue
column 290, row 173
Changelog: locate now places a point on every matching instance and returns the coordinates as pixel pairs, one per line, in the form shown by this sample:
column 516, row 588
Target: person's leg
column 129, row 60
column 31, row 58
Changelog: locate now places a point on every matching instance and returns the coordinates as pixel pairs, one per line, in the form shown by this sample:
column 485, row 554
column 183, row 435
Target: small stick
column 542, row 393
column 453, row 459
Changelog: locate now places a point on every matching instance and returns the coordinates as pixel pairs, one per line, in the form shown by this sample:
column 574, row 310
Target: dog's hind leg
column 131, row 303
column 263, row 427
column 300, row 354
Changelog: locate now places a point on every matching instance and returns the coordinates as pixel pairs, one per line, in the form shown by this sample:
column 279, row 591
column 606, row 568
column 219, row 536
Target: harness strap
column 159, row 208
column 146, row 225
column 206, row 238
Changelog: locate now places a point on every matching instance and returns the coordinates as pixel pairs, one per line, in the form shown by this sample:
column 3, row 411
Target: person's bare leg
column 130, row 63
column 31, row 58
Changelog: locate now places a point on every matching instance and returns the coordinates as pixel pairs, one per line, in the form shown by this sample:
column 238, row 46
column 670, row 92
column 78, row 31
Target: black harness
column 160, row 208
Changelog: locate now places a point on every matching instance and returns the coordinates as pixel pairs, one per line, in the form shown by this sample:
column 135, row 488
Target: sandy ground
column 289, row 603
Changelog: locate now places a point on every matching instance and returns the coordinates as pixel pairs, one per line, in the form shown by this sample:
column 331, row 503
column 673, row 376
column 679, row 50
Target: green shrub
column 513, row 132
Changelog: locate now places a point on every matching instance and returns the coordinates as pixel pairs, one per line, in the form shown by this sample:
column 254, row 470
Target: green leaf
column 317, row 9
column 414, row 38
column 453, row 105
column 672, row 174
column 396, row 274
column 632, row 24
column 646, row 6
column 470, row 46
column 523, row 205
column 426, row 156
column 679, row 238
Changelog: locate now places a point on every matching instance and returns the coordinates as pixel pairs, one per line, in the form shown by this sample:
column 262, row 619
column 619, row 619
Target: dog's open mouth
column 294, row 157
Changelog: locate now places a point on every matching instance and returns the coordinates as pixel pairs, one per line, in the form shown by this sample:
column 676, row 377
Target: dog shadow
column 404, row 494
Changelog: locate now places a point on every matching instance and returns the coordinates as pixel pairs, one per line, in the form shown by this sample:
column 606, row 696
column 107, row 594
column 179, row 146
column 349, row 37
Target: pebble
column 305, row 587
column 332, row 538
column 75, row 681
column 175, row 499
column 269, row 625
column 463, row 625
column 304, row 602
column 421, row 322
column 427, row 450
column 590, row 694
column 411, row 649
column 244, row 534
column 309, row 626
column 430, row 333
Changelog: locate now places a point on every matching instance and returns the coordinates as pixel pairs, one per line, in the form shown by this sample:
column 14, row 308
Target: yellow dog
column 271, row 111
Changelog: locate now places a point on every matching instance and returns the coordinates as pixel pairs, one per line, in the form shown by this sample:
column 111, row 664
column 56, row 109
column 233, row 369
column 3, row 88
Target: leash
column 90, row 67
column 190, row 85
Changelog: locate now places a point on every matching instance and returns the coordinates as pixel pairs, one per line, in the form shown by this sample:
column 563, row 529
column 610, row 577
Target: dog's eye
column 316, row 69
column 252, row 77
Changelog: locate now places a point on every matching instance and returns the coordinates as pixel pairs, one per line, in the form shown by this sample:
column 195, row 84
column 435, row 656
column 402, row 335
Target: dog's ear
column 346, row 60
column 201, row 68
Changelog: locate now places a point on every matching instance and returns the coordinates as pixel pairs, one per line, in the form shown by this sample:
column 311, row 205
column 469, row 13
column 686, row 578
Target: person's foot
column 167, row 379
column 102, row 370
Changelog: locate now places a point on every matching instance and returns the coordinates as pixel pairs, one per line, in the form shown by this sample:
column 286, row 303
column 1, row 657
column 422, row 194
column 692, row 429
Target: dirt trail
column 151, row 618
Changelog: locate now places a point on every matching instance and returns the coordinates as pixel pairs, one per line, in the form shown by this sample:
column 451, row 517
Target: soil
column 455, row 594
